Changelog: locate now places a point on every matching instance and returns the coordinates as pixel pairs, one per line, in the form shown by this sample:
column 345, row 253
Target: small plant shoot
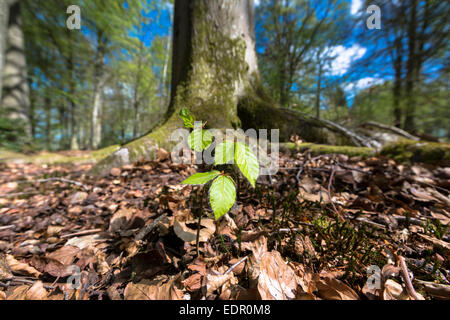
column 222, row 190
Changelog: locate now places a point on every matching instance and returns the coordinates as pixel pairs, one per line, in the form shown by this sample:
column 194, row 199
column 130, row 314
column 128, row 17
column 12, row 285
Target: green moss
column 410, row 151
column 318, row 149
column 103, row 153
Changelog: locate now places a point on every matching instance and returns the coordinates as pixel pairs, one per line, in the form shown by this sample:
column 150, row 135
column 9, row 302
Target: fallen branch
column 393, row 129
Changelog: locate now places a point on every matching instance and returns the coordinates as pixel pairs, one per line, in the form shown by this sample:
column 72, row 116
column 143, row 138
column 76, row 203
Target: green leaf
column 247, row 162
column 200, row 139
column 201, row 178
column 222, row 195
column 188, row 119
column 224, row 152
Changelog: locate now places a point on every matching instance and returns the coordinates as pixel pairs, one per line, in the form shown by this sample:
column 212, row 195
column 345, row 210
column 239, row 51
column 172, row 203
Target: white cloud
column 344, row 57
column 363, row 83
column 257, row 2
column 356, row 6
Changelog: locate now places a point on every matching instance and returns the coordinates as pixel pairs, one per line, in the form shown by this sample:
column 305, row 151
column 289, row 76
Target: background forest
column 109, row 82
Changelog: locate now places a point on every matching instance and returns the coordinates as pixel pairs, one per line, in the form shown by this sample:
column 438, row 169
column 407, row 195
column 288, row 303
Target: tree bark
column 16, row 93
column 215, row 75
column 4, row 17
column 99, row 82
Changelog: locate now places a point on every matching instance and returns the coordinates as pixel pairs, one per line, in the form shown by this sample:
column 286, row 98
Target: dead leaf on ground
column 216, row 281
column 276, row 281
column 20, row 267
column 332, row 289
column 188, row 234
column 37, row 292
column 441, row 291
column 162, row 288
column 84, row 241
column 436, row 242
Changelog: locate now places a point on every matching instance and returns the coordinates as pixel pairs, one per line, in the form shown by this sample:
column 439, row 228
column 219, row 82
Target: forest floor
column 324, row 227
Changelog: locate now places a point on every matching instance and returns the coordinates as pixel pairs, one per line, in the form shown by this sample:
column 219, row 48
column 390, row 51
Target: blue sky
column 346, row 53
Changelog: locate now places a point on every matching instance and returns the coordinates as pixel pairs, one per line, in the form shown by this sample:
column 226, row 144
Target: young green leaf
column 224, row 152
column 247, row 162
column 200, row 139
column 188, row 119
column 222, row 195
column 201, row 178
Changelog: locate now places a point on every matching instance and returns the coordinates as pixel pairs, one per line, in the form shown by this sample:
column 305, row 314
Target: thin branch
column 235, row 265
column 81, row 233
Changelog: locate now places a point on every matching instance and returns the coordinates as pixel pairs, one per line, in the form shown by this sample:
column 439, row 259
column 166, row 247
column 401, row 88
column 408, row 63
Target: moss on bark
column 410, row 151
column 256, row 112
column 318, row 149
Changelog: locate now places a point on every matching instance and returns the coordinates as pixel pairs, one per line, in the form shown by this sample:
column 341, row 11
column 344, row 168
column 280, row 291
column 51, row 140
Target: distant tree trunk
column 72, row 105
column 318, row 88
column 164, row 83
column 137, row 85
column 397, row 87
column 4, row 16
column 16, row 93
column 396, row 93
column 409, row 124
column 136, row 118
column 48, row 122
column 99, row 82
column 215, row 75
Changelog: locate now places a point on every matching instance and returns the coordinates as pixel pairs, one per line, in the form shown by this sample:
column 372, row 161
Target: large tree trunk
column 215, row 75
column 4, row 16
column 16, row 93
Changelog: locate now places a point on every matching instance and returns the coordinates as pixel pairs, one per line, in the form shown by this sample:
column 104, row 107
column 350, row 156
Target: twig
column 81, row 233
column 353, row 169
column 86, row 188
column 20, row 280
column 303, row 166
column 18, row 194
column 6, row 227
column 235, row 265
column 362, row 219
column 409, row 286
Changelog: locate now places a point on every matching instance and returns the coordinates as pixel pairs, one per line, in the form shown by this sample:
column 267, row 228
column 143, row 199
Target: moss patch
column 100, row 154
column 318, row 149
column 410, row 151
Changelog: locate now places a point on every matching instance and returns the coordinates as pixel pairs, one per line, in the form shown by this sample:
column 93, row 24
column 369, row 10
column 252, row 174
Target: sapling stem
column 199, row 221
